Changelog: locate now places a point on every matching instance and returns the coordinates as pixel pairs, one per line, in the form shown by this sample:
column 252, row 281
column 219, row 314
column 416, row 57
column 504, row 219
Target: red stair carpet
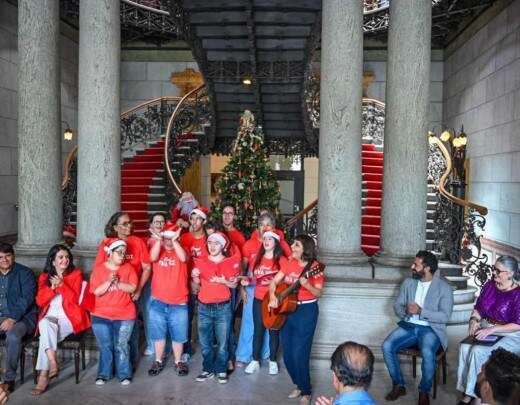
column 137, row 177
column 372, row 174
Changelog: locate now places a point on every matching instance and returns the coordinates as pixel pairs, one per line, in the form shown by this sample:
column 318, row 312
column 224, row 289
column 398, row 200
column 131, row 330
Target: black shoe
column 181, row 369
column 424, row 398
column 157, row 367
column 8, row 386
column 397, row 391
column 205, row 375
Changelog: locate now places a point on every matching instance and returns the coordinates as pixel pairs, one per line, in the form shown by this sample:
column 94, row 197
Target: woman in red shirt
column 113, row 283
column 267, row 265
column 298, row 331
column 215, row 273
column 59, row 290
column 120, row 226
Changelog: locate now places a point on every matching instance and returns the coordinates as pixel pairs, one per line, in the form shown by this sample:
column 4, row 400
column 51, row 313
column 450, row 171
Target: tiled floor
column 168, row 388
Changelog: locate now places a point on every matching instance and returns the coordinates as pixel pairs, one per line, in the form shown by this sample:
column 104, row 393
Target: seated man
column 352, row 367
column 499, row 378
column 423, row 306
column 17, row 309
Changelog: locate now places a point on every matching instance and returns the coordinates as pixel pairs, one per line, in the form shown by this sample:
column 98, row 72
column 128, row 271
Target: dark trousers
column 192, row 304
column 296, row 336
column 259, row 332
column 13, row 347
column 232, row 341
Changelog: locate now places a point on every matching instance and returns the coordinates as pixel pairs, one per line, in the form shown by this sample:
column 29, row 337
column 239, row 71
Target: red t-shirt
column 293, row 270
column 115, row 304
column 136, row 253
column 194, row 248
column 211, row 293
column 253, row 245
column 170, row 278
column 236, row 237
column 264, row 273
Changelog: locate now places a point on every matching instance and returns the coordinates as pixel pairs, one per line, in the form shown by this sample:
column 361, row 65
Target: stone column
column 406, row 145
column 339, row 225
column 99, row 156
column 39, row 143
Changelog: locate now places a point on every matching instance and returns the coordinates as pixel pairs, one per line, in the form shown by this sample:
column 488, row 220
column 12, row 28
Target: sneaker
column 185, row 358
column 222, row 378
column 148, row 352
column 252, row 367
column 181, row 369
column 273, row 367
column 126, row 381
column 100, row 381
column 205, row 375
column 156, row 368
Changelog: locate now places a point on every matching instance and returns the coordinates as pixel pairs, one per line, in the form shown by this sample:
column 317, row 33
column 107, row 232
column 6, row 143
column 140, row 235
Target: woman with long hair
column 59, row 291
column 120, row 226
column 298, row 331
column 113, row 283
column 267, row 265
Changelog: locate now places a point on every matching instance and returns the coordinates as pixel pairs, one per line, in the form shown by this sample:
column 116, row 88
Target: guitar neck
column 288, row 291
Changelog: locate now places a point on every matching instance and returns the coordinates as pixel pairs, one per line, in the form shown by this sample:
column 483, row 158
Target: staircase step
column 370, row 229
column 372, row 161
column 373, row 240
column 371, row 202
column 449, row 269
column 370, row 250
column 372, row 185
column 142, row 165
column 460, row 282
column 132, row 189
column 372, row 154
column 148, row 158
column 370, row 220
column 460, row 314
column 371, row 210
column 366, row 169
column 372, row 193
column 368, row 147
column 135, row 181
column 464, row 296
column 141, row 173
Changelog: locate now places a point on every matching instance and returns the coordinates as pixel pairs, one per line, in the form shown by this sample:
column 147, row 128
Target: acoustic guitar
column 287, row 295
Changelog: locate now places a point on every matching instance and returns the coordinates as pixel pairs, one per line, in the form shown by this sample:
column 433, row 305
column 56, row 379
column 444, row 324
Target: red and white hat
column 271, row 234
column 169, row 231
column 201, row 212
column 69, row 232
column 219, row 237
column 113, row 243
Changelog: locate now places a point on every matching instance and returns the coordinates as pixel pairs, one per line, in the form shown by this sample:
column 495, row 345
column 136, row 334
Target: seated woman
column 59, row 289
column 267, row 265
column 496, row 312
column 113, row 317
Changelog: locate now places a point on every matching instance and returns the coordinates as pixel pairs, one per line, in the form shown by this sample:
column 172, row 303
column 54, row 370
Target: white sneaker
column 273, row 367
column 100, row 381
column 252, row 367
column 148, row 352
column 126, row 381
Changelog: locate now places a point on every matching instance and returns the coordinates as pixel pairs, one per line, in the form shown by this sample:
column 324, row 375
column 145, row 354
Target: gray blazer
column 438, row 305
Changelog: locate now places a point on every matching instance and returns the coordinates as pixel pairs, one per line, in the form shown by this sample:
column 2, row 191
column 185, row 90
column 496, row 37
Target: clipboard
column 471, row 340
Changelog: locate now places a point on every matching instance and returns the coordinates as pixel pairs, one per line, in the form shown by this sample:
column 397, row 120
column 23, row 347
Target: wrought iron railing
column 458, row 223
column 69, row 186
column 190, row 118
column 305, row 221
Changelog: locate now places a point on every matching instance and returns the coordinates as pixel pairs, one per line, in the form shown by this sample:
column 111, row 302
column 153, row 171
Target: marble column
column 99, row 155
column 39, row 144
column 339, row 225
column 403, row 230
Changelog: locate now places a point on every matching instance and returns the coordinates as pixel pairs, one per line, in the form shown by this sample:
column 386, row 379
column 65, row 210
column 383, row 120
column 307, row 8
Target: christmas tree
column 247, row 182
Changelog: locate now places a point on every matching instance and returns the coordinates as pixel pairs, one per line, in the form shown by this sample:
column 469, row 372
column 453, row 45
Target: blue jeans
column 408, row 335
column 296, row 337
column 168, row 319
column 213, row 325
column 244, row 350
column 112, row 338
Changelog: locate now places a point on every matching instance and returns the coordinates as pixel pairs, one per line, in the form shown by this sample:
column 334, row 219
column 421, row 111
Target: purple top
column 502, row 306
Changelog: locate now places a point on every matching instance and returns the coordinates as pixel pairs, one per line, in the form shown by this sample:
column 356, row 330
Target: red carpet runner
column 372, row 172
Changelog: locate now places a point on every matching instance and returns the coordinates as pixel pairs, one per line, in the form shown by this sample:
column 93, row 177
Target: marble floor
column 168, row 388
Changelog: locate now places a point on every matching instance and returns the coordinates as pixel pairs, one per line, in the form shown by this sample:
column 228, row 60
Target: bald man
column 352, row 367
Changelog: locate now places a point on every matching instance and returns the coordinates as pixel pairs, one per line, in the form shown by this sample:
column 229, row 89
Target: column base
column 84, row 257
column 33, row 256
column 342, row 258
column 393, row 259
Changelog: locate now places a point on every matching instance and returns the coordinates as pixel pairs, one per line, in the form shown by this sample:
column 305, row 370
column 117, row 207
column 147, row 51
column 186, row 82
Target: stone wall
column 482, row 92
column 9, row 113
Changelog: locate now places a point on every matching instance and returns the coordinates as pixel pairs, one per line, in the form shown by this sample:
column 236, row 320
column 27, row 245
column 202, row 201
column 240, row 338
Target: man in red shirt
column 194, row 244
column 215, row 274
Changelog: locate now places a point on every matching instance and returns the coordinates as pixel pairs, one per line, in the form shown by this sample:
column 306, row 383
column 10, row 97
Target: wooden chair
column 71, row 342
column 440, row 361
column 26, row 341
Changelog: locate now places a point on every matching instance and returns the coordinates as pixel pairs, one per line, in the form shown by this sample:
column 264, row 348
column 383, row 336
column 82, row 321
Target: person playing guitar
column 298, row 331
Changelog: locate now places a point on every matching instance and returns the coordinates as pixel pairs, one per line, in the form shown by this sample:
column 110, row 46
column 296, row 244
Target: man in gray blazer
column 423, row 306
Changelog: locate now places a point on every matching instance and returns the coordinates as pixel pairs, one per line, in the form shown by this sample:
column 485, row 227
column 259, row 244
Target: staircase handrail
column 149, row 102
column 147, row 8
column 190, row 95
column 294, row 219
column 442, row 189
column 68, row 165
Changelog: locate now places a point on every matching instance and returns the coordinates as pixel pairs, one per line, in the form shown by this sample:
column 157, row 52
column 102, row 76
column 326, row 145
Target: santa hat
column 69, row 232
column 169, row 230
column 219, row 237
column 113, row 243
column 201, row 212
column 271, row 234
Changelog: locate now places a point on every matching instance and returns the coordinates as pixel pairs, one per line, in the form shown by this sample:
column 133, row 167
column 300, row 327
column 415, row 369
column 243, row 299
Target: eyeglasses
column 158, row 222
column 120, row 252
column 497, row 271
column 228, row 213
column 126, row 224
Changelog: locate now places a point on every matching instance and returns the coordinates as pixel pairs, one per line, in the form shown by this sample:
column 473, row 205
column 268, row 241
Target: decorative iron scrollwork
column 70, row 192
